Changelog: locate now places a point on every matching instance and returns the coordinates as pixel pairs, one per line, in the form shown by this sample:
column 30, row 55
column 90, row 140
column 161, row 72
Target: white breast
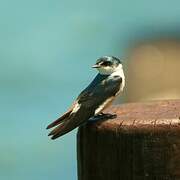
column 102, row 106
column 119, row 72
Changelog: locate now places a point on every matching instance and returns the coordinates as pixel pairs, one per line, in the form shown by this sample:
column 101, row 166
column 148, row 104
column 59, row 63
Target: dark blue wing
column 99, row 90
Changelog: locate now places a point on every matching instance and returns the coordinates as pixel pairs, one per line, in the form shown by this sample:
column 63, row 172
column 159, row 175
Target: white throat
column 118, row 71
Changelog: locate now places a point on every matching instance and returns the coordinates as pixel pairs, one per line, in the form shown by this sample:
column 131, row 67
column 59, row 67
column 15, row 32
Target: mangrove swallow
column 100, row 93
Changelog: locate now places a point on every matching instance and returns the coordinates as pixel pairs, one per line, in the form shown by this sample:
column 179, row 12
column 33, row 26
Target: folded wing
column 85, row 105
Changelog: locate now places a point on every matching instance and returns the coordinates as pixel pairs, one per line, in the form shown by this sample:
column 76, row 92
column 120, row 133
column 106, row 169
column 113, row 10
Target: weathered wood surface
column 142, row 143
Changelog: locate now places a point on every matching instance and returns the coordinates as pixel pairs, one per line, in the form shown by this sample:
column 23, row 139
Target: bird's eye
column 106, row 63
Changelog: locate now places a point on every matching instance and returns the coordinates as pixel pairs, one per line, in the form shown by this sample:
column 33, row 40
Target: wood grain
column 142, row 143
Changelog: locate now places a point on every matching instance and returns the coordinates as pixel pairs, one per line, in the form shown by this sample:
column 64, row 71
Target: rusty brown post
column 142, row 143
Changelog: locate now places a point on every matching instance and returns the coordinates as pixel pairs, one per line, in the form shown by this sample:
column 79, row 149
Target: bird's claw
column 105, row 115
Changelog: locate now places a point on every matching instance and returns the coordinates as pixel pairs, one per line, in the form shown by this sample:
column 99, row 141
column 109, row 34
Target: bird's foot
column 102, row 117
column 105, row 115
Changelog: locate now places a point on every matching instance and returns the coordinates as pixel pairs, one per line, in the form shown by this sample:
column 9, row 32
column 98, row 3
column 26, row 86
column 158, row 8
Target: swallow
column 98, row 95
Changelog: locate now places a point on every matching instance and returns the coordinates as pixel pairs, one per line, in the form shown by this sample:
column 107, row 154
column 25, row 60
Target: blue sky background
column 46, row 50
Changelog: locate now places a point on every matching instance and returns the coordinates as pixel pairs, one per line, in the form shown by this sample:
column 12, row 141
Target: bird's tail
column 68, row 122
column 59, row 120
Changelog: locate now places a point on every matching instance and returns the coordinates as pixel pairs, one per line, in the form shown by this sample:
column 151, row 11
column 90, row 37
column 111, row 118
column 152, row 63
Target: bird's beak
column 96, row 66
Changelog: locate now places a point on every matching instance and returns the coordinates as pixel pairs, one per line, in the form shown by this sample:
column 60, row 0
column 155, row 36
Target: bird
column 97, row 96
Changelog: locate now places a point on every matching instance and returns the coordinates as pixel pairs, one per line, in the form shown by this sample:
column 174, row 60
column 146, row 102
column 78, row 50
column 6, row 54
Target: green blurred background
column 46, row 50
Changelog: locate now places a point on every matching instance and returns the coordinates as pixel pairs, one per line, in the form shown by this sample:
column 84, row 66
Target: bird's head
column 107, row 65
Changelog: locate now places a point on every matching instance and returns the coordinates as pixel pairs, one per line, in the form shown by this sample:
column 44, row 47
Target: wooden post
column 142, row 143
